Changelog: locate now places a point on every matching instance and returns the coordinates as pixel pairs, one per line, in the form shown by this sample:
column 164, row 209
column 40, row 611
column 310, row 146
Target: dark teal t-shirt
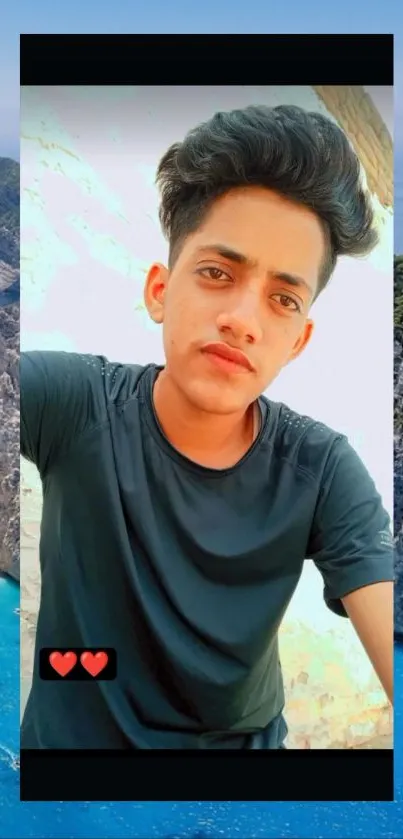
column 186, row 571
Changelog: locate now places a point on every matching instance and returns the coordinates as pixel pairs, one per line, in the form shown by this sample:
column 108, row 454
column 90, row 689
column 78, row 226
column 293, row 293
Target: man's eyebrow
column 229, row 253
column 241, row 259
column 293, row 280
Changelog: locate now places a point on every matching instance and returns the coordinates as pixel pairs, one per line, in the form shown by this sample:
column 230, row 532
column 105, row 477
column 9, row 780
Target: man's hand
column 370, row 610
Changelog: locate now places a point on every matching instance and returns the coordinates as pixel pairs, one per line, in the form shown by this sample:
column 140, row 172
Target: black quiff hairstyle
column 301, row 155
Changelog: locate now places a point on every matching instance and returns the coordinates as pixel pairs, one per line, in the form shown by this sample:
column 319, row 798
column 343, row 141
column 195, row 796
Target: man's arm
column 352, row 545
column 62, row 396
column 370, row 610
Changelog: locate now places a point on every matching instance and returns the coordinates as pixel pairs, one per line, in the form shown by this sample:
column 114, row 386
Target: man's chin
column 215, row 398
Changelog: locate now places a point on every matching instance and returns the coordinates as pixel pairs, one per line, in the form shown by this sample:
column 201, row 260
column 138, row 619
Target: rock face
column 9, row 378
column 398, row 445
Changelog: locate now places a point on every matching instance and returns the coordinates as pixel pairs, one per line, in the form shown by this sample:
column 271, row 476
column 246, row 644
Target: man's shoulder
column 306, row 443
column 119, row 380
column 116, row 381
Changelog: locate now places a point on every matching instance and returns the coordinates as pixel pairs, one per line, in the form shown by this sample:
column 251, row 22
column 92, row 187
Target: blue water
column 85, row 820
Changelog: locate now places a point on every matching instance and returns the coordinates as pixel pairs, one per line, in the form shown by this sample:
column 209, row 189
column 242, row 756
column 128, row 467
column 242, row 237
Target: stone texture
column 9, row 441
column 9, row 378
column 356, row 114
column 333, row 700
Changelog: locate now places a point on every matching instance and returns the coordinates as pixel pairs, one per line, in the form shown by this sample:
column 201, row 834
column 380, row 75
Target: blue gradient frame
column 177, row 819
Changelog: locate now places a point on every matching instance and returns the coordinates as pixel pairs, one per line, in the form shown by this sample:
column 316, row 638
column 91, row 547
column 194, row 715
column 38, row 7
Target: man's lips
column 236, row 358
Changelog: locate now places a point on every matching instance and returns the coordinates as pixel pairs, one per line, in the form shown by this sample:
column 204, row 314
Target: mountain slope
column 9, row 355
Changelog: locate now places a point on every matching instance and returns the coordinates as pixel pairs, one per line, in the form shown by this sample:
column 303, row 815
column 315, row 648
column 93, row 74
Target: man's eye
column 287, row 302
column 214, row 273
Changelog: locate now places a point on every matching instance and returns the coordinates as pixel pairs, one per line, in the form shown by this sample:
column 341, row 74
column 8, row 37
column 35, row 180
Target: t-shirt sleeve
column 62, row 397
column 351, row 541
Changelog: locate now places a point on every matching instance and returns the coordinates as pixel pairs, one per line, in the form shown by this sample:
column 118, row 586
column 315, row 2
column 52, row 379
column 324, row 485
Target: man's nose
column 242, row 318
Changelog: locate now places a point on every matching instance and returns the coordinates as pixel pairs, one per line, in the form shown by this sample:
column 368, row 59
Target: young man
column 179, row 504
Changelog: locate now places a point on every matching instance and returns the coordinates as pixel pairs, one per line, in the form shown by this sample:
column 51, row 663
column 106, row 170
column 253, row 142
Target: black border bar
column 206, row 59
column 283, row 775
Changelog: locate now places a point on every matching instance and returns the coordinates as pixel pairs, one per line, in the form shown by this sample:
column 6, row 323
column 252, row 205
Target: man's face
column 245, row 279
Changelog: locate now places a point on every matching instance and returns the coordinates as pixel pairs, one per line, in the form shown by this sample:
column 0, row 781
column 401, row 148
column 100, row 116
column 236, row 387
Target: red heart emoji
column 62, row 662
column 94, row 663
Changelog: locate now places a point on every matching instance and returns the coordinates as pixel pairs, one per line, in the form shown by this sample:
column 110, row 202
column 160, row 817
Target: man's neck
column 213, row 440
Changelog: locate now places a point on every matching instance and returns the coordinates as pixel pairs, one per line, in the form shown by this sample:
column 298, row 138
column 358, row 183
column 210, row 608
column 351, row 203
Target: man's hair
column 301, row 155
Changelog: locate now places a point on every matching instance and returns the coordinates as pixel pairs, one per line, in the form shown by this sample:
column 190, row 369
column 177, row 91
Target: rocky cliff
column 398, row 444
column 9, row 353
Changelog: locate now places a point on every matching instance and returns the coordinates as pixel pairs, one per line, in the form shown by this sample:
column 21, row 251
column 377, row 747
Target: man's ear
column 154, row 291
column 302, row 341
